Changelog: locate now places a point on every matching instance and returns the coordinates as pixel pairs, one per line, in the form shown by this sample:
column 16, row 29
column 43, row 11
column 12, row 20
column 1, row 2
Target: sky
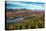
column 26, row 5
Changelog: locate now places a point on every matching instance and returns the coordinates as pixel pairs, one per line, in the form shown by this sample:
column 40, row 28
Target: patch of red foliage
column 21, row 13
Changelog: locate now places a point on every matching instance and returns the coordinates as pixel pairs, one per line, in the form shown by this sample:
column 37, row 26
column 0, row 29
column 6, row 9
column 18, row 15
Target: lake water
column 14, row 20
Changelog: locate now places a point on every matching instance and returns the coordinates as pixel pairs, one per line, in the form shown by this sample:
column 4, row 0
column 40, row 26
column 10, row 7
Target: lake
column 14, row 20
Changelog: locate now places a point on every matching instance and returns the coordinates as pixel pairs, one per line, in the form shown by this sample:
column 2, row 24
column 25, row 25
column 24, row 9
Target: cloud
column 32, row 6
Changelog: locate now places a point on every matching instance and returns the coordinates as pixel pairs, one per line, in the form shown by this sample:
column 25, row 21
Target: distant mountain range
column 15, row 9
column 20, row 10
